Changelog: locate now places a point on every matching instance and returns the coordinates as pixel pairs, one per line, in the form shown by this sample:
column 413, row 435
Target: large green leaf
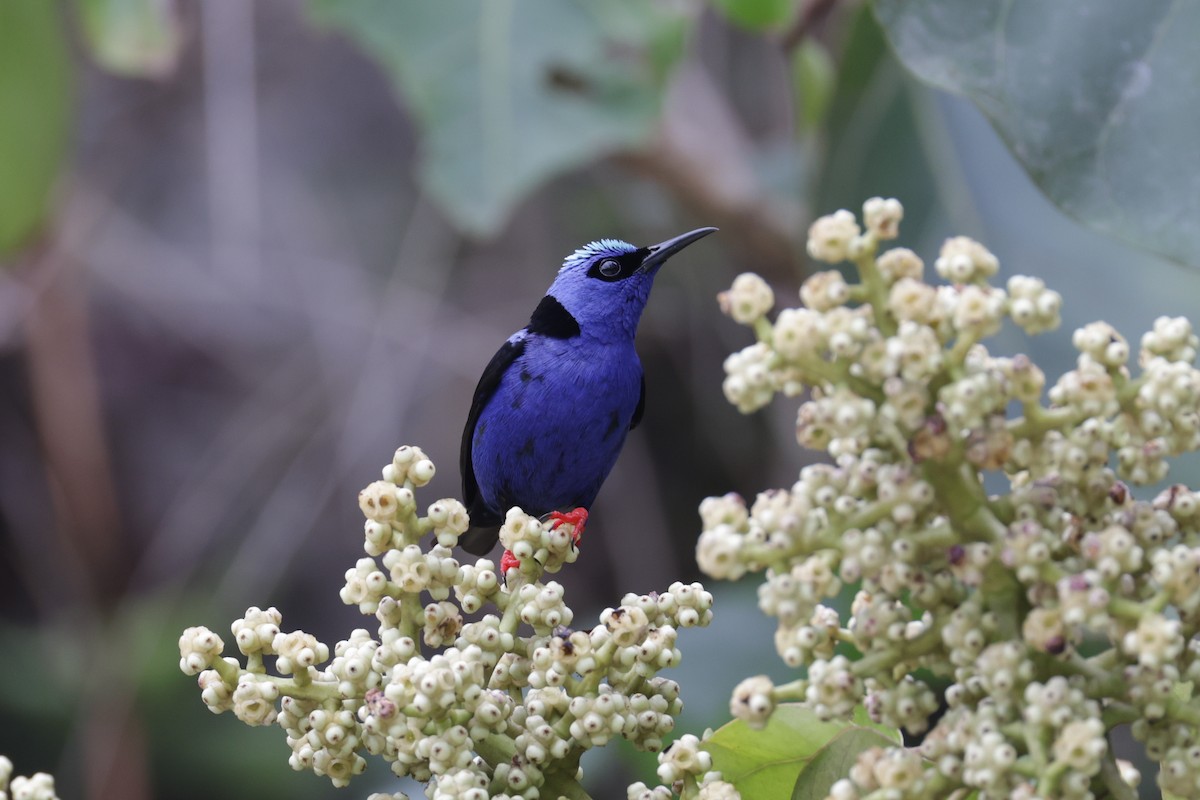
column 34, row 115
column 136, row 38
column 757, row 14
column 877, row 133
column 833, row 762
column 795, row 755
column 509, row 93
column 1098, row 99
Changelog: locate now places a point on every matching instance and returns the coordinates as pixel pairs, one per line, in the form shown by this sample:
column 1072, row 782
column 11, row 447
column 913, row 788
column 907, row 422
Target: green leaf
column 510, row 93
column 1098, row 99
column 34, row 115
column 794, row 755
column 135, row 38
column 757, row 14
column 833, row 762
column 877, row 134
column 814, row 76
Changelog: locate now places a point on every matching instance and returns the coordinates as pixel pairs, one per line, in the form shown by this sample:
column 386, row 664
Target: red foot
column 577, row 517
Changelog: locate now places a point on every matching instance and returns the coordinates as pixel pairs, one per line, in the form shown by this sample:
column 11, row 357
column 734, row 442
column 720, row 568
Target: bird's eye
column 609, row 268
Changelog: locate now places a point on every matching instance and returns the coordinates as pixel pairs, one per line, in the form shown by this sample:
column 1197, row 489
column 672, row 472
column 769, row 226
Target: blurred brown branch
column 813, row 15
column 66, row 406
column 703, row 157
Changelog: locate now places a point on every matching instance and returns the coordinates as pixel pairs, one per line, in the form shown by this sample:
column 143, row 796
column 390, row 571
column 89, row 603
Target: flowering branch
column 994, row 594
column 476, row 708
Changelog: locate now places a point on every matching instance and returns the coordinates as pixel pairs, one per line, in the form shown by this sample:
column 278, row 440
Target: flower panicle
column 993, row 594
column 474, row 684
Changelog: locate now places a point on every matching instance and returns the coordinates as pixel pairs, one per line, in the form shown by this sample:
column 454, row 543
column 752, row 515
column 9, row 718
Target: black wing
column 641, row 406
column 481, row 515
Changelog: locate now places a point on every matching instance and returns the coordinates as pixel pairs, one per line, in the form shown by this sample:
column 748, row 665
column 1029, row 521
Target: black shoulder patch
column 551, row 319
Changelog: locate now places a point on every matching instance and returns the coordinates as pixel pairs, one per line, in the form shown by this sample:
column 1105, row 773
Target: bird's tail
column 479, row 541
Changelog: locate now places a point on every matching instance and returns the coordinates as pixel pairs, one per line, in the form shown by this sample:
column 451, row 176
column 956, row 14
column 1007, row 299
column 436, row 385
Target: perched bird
column 553, row 406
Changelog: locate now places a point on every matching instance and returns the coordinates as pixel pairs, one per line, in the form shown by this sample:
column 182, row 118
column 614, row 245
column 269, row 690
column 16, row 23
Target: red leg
column 577, row 517
column 507, row 562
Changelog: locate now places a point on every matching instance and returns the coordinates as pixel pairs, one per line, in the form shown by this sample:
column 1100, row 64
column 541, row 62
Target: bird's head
column 605, row 284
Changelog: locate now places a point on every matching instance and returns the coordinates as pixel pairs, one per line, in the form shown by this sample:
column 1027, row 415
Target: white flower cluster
column 685, row 764
column 995, row 594
column 39, row 786
column 443, row 693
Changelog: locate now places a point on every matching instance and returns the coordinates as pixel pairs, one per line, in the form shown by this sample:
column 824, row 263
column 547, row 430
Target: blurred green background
column 249, row 248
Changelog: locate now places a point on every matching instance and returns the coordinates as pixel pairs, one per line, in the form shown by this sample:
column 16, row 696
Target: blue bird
column 553, row 406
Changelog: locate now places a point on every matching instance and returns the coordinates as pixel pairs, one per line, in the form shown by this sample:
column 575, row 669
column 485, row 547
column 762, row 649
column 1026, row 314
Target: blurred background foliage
column 251, row 247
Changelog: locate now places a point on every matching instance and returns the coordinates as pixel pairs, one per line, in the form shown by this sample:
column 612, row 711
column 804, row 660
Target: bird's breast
column 552, row 431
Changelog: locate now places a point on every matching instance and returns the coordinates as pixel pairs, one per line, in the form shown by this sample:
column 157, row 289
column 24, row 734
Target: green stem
column 794, row 690
column 884, row 660
column 1101, row 682
column 301, row 678
column 1047, row 785
column 561, row 781
column 1110, row 774
column 1127, row 390
column 816, row 370
column 496, row 749
column 1038, row 421
column 591, row 682
column 563, row 726
column 1183, row 711
column 1130, row 610
column 1159, row 602
column 319, row 691
column 940, row 786
column 958, row 353
column 1050, row 572
column 301, row 688
column 763, row 330
column 410, row 624
column 1106, row 661
column 961, row 494
column 229, row 672
column 412, row 527
column 511, row 619
column 827, row 539
column 876, row 290
column 934, row 538
column 1115, row 714
column 1035, row 741
column 835, row 373
column 1002, row 508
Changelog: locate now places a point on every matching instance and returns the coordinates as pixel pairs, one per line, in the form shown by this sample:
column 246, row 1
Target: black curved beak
column 658, row 253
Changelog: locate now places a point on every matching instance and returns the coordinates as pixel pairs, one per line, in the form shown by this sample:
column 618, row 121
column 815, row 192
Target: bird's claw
column 577, row 517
